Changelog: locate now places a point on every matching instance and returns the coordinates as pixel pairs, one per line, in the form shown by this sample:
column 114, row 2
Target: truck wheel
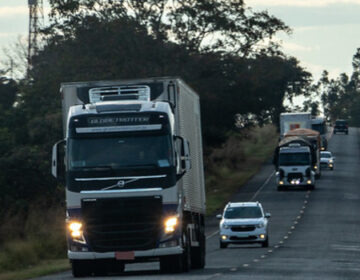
column 198, row 253
column 80, row 268
column 178, row 263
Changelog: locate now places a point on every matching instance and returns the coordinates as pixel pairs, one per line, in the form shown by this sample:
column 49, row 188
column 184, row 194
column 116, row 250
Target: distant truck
column 134, row 174
column 319, row 124
column 314, row 138
column 294, row 158
column 290, row 121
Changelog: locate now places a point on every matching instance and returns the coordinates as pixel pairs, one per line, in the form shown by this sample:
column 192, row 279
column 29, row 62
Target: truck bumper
column 138, row 254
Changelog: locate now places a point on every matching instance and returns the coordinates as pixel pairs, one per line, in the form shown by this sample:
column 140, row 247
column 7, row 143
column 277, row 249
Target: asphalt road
column 313, row 234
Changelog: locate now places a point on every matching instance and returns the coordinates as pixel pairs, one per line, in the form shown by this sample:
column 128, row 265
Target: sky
column 325, row 36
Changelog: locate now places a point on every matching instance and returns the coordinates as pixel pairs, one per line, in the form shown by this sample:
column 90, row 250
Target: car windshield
column 325, row 155
column 243, row 213
column 289, row 159
column 120, row 152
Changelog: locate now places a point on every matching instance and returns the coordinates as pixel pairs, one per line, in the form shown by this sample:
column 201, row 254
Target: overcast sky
column 326, row 33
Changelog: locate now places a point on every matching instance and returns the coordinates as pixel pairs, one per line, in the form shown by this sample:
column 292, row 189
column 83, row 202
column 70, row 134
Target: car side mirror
column 267, row 215
column 219, row 216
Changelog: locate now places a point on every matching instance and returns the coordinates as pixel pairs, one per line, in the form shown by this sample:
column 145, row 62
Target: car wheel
column 223, row 245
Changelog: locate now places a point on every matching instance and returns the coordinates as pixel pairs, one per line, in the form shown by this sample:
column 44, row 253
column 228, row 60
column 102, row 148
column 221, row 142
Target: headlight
column 75, row 229
column 315, row 167
column 225, row 226
column 261, row 225
column 170, row 224
column 330, row 161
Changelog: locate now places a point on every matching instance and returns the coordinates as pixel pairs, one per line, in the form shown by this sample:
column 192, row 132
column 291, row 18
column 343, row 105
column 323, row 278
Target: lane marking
column 262, row 186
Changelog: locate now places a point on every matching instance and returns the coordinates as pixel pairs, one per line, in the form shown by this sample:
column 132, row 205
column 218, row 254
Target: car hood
column 243, row 221
column 326, row 160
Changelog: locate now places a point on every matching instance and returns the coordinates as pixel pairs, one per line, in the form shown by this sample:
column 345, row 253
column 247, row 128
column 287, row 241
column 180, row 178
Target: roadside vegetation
column 235, row 162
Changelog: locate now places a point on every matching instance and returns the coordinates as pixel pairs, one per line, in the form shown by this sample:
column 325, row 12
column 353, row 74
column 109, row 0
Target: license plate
column 125, row 255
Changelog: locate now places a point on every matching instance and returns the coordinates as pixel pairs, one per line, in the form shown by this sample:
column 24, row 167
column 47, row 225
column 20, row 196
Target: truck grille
column 242, row 228
column 122, row 224
column 292, row 176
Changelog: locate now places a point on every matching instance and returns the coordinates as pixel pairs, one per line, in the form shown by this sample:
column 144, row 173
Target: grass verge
column 40, row 269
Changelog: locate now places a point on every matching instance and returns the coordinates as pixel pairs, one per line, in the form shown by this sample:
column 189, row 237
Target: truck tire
column 198, row 253
column 178, row 263
column 80, row 268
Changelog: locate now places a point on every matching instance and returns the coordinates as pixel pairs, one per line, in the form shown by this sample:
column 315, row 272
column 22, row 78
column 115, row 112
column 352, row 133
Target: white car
column 327, row 160
column 244, row 222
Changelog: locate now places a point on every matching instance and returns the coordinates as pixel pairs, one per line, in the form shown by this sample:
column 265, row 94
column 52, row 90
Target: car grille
column 251, row 237
column 243, row 228
column 122, row 224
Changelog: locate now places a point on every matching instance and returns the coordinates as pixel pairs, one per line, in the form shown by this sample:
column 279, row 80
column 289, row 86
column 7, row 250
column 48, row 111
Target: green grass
column 232, row 165
column 40, row 269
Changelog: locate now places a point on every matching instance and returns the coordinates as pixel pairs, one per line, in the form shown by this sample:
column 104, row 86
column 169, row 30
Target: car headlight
column 225, row 226
column 330, row 161
column 261, row 225
column 170, row 224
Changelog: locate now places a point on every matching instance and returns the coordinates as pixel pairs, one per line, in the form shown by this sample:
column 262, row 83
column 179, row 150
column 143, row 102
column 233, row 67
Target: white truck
column 290, row 121
column 133, row 174
column 294, row 159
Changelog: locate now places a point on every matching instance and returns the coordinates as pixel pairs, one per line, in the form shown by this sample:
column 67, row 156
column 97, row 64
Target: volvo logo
column 120, row 184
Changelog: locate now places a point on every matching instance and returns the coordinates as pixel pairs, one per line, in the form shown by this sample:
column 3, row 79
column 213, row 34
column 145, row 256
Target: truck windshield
column 289, row 159
column 120, row 152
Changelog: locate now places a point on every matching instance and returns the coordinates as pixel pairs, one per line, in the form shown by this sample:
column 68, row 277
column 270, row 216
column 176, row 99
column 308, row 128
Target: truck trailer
column 290, row 121
column 133, row 171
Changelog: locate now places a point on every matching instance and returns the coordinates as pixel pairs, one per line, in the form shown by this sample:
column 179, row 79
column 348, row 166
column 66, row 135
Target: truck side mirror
column 57, row 162
column 183, row 158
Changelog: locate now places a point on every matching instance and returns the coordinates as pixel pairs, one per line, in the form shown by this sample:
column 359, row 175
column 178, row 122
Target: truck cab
column 133, row 175
column 294, row 167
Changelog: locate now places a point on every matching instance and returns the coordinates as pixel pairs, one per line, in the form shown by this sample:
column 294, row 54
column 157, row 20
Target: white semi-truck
column 290, row 121
column 133, row 174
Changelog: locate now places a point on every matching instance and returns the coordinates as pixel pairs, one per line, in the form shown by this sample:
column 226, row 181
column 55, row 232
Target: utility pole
column 36, row 19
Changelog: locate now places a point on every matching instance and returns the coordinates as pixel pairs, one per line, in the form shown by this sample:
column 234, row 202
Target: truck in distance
column 312, row 137
column 133, row 174
column 293, row 160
